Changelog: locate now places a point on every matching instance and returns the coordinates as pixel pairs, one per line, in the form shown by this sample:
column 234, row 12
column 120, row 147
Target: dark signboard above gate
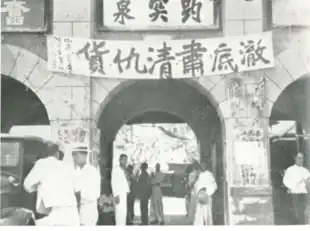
column 24, row 15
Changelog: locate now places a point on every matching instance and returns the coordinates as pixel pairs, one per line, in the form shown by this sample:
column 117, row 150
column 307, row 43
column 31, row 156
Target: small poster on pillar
column 250, row 157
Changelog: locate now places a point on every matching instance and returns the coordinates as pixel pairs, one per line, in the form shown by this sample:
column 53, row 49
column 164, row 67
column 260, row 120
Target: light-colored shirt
column 295, row 178
column 88, row 183
column 119, row 182
column 106, row 203
column 54, row 183
column 206, row 180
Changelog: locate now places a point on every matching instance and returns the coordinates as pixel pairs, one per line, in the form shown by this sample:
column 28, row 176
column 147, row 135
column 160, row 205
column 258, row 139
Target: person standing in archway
column 297, row 180
column 157, row 197
column 131, row 198
column 205, row 187
column 144, row 193
column 120, row 188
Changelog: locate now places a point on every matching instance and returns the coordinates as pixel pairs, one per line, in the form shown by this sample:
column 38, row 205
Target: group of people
column 78, row 196
column 74, row 196
column 127, row 186
column 65, row 196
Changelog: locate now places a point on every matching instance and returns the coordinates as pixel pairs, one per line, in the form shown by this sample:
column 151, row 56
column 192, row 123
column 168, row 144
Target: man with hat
column 54, row 183
column 89, row 182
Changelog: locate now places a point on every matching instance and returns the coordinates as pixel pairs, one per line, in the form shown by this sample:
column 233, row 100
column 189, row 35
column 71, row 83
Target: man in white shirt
column 89, row 181
column 296, row 179
column 120, row 188
column 55, row 186
column 205, row 187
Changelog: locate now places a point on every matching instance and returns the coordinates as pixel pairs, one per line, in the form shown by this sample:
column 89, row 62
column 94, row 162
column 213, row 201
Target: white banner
column 160, row 59
column 146, row 14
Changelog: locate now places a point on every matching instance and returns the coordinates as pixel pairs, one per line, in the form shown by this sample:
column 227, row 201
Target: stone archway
column 30, row 70
column 181, row 98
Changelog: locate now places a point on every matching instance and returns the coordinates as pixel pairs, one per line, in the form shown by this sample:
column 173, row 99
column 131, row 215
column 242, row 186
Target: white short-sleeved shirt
column 88, row 182
column 53, row 181
column 295, row 178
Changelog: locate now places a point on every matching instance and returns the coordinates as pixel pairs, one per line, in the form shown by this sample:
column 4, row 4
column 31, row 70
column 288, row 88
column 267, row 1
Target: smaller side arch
column 290, row 65
column 30, row 70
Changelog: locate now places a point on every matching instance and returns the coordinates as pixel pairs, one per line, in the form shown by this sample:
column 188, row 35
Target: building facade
column 92, row 110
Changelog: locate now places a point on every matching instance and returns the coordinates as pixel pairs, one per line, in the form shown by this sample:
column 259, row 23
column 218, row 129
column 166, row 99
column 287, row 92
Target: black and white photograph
column 155, row 113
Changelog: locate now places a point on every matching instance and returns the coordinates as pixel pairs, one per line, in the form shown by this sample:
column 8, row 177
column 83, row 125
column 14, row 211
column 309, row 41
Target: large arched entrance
column 291, row 116
column 157, row 101
column 20, row 105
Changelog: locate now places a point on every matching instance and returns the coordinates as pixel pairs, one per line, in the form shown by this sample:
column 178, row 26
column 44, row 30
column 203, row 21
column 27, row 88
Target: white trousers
column 61, row 216
column 203, row 215
column 89, row 213
column 121, row 211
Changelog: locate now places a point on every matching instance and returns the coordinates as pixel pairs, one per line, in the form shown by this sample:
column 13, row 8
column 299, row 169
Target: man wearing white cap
column 88, row 180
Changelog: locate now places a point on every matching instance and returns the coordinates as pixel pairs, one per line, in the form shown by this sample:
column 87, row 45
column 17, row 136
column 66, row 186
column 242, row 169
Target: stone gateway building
column 231, row 114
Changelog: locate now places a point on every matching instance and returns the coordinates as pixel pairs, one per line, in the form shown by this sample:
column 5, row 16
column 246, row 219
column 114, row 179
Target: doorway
column 291, row 113
column 165, row 101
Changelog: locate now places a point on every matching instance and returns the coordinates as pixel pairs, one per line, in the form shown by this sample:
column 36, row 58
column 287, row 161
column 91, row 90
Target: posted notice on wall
column 249, row 153
column 157, row 59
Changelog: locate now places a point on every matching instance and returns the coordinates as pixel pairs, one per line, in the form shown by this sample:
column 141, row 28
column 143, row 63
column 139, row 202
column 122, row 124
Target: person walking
column 205, row 187
column 120, row 189
column 157, row 198
column 55, row 185
column 297, row 179
column 144, row 193
column 89, row 183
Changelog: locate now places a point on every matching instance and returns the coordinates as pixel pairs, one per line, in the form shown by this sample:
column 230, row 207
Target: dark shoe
column 162, row 223
column 154, row 222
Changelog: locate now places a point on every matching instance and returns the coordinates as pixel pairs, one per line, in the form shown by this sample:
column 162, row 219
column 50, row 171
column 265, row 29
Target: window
column 10, row 154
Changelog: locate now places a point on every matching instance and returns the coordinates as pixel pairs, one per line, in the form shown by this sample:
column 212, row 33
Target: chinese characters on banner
column 146, row 14
column 25, row 15
column 160, row 59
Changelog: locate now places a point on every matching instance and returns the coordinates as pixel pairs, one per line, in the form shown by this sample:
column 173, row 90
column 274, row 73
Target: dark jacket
column 144, row 188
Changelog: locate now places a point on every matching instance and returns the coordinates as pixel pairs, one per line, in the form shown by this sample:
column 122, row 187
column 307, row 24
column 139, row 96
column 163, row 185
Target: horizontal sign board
column 158, row 14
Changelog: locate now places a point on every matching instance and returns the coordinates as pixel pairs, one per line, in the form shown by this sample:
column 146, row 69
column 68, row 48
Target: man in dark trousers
column 144, row 193
column 131, row 195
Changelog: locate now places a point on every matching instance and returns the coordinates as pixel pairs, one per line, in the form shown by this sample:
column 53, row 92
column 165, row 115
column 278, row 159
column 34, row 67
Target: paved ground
column 174, row 210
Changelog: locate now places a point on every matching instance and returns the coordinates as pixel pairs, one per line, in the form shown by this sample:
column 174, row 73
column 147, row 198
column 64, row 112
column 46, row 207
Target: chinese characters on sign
column 145, row 14
column 159, row 59
column 23, row 15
